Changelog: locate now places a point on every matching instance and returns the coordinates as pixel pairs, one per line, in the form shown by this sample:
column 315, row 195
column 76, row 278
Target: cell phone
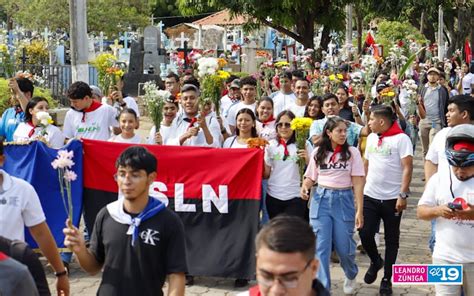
column 455, row 206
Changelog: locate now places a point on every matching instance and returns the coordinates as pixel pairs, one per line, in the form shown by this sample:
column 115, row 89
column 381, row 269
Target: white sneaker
column 377, row 239
column 349, row 286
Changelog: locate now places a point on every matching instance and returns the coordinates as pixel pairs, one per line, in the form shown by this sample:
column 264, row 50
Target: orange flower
column 256, row 143
column 222, row 62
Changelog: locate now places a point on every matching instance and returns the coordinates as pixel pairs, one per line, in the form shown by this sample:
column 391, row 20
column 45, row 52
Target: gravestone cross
column 182, row 39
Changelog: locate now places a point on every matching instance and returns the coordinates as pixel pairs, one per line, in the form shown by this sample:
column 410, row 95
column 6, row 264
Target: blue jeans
column 332, row 216
column 432, row 241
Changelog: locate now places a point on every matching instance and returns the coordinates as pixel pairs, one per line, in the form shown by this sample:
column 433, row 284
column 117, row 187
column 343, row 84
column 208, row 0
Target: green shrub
column 5, row 96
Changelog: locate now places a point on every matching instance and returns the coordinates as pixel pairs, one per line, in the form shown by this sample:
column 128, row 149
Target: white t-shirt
column 236, row 108
column 164, row 131
column 454, row 238
column 95, row 126
column 180, row 126
column 19, row 207
column 467, row 81
column 384, row 177
column 136, row 139
column 297, row 110
column 284, row 180
column 282, row 102
column 267, row 132
column 53, row 135
column 231, row 142
column 436, row 153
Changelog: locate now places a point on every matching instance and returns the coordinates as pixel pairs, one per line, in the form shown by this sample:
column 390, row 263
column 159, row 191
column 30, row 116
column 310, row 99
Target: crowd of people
column 359, row 165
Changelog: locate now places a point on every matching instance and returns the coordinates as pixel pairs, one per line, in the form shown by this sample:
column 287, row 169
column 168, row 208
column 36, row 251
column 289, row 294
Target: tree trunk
column 359, row 24
column 305, row 30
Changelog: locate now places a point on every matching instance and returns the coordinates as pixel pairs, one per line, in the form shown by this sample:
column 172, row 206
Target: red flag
column 467, row 51
column 369, row 40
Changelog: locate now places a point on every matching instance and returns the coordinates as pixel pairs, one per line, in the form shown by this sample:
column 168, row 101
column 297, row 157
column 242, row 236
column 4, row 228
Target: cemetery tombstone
column 151, row 46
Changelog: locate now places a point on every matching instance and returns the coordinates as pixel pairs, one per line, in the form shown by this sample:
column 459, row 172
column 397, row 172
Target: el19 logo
column 449, row 274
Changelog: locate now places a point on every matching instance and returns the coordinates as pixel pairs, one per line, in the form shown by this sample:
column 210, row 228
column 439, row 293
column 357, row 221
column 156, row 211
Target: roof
column 189, row 27
column 223, row 18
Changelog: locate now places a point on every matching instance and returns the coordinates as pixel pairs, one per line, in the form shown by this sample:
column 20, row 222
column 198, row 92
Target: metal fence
column 56, row 78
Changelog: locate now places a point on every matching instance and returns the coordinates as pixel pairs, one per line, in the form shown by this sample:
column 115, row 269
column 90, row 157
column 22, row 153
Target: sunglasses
column 283, row 124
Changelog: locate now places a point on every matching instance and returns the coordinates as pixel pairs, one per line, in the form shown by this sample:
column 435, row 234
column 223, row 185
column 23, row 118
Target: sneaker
column 349, row 286
column 385, row 287
column 371, row 274
column 240, row 283
column 334, row 257
column 189, row 280
column 377, row 239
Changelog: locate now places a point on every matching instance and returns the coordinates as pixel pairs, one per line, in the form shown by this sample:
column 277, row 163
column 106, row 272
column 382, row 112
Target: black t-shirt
column 139, row 270
column 21, row 252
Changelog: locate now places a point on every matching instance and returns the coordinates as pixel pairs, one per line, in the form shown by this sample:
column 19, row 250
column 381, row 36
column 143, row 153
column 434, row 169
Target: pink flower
column 70, row 176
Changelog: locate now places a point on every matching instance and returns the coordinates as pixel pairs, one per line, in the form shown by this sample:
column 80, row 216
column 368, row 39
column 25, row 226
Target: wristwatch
column 404, row 195
column 62, row 273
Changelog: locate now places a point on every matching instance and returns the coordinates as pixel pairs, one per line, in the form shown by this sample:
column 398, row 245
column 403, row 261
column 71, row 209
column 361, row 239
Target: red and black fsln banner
column 216, row 192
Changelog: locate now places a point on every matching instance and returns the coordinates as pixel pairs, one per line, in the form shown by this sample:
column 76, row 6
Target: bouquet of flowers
column 257, row 143
column 411, row 88
column 212, row 81
column 155, row 100
column 105, row 65
column 44, row 120
column 387, row 95
column 63, row 164
column 370, row 66
column 301, row 126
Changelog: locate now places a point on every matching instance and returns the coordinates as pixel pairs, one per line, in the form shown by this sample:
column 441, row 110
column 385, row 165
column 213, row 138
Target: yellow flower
column 339, row 76
column 281, row 64
column 50, row 121
column 391, row 94
column 332, row 77
column 223, row 74
column 222, row 62
column 3, row 48
column 301, row 123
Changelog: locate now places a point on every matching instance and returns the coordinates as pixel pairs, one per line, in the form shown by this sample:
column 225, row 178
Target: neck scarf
column 266, row 122
column 117, row 212
column 337, row 150
column 191, row 121
column 94, row 106
column 286, row 153
column 32, row 131
column 392, row 131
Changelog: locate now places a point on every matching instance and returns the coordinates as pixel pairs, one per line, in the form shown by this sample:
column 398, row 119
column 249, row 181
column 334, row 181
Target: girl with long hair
column 313, row 108
column 245, row 129
column 338, row 170
column 128, row 121
column 282, row 170
column 32, row 129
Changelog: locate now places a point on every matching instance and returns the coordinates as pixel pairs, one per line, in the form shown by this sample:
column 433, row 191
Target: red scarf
column 192, row 122
column 337, row 150
column 254, row 291
column 3, row 257
column 392, row 131
column 32, row 131
column 285, row 146
column 94, row 106
column 270, row 119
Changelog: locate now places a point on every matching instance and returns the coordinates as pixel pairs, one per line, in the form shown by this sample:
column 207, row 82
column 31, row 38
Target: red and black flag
column 216, row 192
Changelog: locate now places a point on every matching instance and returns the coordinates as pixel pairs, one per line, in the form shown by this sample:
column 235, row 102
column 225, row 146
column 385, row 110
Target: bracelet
column 62, row 273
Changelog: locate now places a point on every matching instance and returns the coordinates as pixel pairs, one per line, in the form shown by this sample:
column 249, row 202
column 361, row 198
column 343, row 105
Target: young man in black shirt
column 136, row 241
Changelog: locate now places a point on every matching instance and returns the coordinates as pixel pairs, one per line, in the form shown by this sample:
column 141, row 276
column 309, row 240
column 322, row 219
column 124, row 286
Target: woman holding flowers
column 349, row 111
column 338, row 170
column 282, row 170
column 38, row 124
column 266, row 121
column 244, row 130
column 170, row 110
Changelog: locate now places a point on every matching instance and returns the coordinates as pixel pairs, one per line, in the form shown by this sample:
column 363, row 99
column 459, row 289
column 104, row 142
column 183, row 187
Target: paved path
column 413, row 249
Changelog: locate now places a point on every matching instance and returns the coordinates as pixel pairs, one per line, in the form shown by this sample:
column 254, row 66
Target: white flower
column 70, row 176
column 207, row 66
column 44, row 118
column 63, row 160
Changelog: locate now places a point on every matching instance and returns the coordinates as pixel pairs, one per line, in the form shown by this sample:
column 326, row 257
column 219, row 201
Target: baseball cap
column 235, row 83
column 381, row 86
column 433, row 69
column 96, row 91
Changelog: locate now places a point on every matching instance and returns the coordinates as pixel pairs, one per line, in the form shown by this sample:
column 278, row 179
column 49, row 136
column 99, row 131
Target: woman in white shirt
column 170, row 110
column 282, row 170
column 266, row 121
column 245, row 129
column 128, row 121
column 32, row 129
column 466, row 81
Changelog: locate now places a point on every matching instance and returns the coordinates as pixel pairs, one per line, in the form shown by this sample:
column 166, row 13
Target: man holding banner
column 136, row 240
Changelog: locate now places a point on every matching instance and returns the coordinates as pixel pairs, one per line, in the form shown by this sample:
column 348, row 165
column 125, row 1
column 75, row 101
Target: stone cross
column 115, row 47
column 182, row 39
column 45, row 35
column 125, row 41
column 101, row 41
column 160, row 26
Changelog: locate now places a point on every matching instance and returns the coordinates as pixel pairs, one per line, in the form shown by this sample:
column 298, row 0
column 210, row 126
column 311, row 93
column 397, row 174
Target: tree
column 108, row 16
column 295, row 18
